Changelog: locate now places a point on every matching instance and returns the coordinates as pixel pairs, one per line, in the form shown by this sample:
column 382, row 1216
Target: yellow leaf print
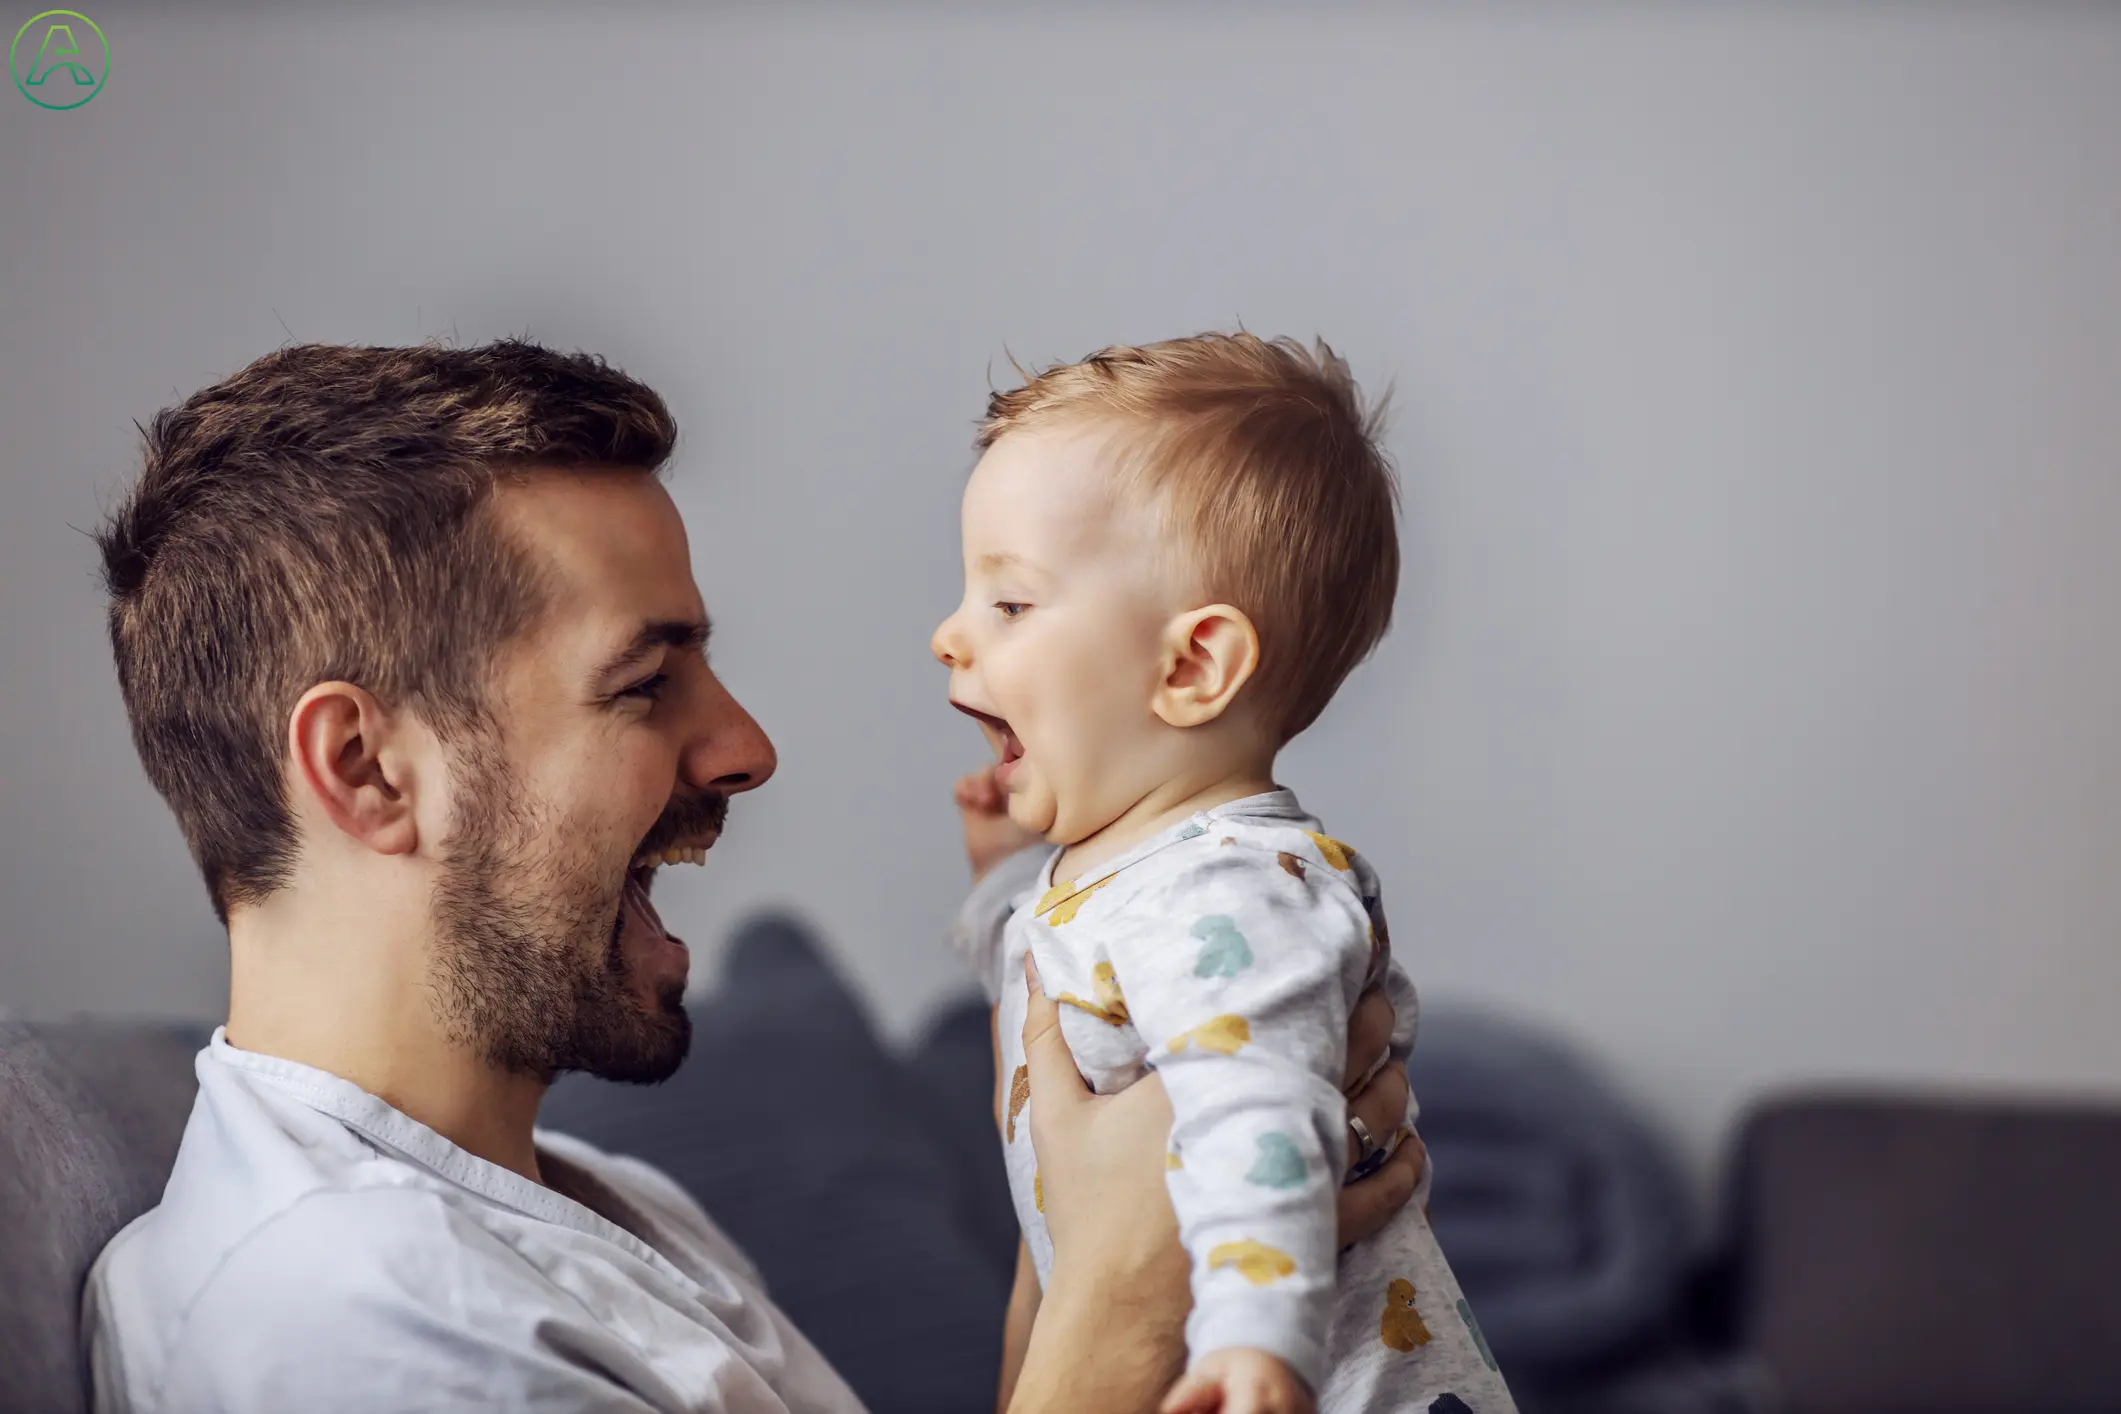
column 1106, row 981
column 1019, row 1096
column 1402, row 1327
column 1171, row 1161
column 1111, row 1005
column 1256, row 1262
column 1064, row 900
column 1225, row 1035
column 1038, row 1191
column 1335, row 852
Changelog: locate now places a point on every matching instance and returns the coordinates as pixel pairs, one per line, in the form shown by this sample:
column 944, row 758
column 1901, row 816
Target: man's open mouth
column 640, row 879
column 645, row 864
column 1000, row 735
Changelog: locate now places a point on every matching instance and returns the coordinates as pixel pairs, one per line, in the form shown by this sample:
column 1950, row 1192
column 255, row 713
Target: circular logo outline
column 16, row 74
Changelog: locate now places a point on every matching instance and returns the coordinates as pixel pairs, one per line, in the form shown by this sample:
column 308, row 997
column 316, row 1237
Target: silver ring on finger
column 1366, row 1142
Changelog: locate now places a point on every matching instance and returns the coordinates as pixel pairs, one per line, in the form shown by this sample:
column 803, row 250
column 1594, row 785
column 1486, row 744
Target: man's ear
column 347, row 755
column 1209, row 654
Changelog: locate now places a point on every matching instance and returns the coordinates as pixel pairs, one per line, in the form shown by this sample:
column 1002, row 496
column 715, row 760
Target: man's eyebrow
column 685, row 635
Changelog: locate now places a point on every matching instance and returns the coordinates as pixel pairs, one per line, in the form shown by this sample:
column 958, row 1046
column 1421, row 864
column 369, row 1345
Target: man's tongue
column 642, row 911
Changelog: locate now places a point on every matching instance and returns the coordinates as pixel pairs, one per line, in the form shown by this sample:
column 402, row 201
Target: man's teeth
column 694, row 854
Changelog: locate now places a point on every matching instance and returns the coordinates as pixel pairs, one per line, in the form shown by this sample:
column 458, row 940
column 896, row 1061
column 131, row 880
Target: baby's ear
column 1209, row 655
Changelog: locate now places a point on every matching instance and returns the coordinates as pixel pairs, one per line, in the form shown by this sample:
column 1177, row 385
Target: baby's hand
column 1239, row 1381
column 990, row 835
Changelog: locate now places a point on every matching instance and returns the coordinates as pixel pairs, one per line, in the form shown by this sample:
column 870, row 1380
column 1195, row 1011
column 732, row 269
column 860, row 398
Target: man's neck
column 352, row 999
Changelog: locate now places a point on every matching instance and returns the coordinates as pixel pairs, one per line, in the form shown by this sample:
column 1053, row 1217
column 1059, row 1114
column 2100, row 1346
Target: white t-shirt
column 317, row 1250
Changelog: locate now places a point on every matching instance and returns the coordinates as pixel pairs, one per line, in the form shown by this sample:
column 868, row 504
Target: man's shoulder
column 251, row 1153
column 347, row 1297
column 162, row 1270
column 273, row 1214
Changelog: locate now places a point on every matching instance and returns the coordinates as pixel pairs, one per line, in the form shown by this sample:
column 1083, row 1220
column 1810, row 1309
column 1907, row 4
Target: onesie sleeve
column 1240, row 965
column 976, row 932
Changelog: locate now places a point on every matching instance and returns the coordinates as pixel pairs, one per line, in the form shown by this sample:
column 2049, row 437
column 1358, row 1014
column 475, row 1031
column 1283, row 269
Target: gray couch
column 90, row 1116
column 1886, row 1254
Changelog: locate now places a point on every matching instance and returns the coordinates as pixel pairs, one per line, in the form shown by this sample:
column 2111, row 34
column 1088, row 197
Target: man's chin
column 651, row 1047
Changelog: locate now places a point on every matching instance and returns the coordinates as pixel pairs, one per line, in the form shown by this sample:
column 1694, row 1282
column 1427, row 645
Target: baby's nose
column 948, row 644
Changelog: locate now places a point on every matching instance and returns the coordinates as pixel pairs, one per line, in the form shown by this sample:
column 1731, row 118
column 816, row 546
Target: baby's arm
column 1240, row 966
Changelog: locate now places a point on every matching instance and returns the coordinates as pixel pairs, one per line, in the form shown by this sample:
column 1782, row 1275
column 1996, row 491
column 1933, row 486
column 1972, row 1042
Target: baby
column 1173, row 556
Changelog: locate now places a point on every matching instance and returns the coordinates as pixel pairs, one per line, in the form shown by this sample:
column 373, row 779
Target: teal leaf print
column 1280, row 1163
column 1465, row 1313
column 1227, row 953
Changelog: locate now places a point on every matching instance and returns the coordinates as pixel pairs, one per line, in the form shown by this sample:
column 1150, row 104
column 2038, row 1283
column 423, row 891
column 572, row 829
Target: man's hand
column 1239, row 1380
column 990, row 835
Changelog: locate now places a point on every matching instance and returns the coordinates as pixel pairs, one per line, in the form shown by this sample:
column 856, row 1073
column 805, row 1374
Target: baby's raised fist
column 990, row 835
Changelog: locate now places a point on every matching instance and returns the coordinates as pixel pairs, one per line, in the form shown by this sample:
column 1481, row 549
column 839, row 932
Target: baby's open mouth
column 1000, row 735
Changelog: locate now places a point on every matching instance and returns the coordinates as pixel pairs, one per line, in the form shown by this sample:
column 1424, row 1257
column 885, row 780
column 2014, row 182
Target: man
column 410, row 644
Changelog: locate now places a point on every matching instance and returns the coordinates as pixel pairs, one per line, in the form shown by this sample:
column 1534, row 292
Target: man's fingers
column 1415, row 1154
column 1381, row 1106
column 1367, row 1206
column 1054, row 1079
column 1369, row 1037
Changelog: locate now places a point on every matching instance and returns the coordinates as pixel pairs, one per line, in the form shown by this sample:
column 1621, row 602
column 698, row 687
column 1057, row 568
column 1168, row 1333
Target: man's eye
column 1012, row 610
column 648, row 689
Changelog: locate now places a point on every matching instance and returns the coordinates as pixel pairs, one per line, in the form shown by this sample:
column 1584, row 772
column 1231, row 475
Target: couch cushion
column 950, row 1083
column 1563, row 1216
column 1933, row 1257
column 90, row 1116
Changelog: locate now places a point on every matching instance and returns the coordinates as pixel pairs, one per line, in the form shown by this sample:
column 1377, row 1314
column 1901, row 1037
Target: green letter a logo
column 59, row 47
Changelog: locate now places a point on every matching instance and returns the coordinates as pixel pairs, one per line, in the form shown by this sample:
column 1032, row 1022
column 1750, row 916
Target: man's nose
column 949, row 645
column 731, row 753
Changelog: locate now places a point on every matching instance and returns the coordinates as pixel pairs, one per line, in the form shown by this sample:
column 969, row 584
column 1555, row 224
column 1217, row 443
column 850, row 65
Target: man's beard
column 528, row 967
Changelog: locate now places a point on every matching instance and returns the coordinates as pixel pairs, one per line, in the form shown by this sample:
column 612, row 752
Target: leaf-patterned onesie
column 1227, row 954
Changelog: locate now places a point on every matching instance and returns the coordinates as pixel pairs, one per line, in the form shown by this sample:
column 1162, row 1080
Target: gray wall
column 1752, row 714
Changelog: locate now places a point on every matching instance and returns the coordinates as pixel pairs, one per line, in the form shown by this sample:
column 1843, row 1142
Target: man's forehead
column 613, row 549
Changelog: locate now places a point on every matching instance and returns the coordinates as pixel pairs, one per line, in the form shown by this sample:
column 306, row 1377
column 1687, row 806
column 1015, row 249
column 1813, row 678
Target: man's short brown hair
column 323, row 515
column 1274, row 474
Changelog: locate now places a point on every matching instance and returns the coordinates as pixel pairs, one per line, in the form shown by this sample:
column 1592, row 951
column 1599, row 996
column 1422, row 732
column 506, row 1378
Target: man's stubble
column 528, row 967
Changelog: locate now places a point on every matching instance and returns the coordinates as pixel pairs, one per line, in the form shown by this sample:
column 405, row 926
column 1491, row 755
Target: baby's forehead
column 1092, row 466
column 1070, row 493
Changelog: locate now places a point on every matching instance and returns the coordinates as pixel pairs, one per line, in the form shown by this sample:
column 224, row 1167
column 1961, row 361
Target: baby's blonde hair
column 1272, row 468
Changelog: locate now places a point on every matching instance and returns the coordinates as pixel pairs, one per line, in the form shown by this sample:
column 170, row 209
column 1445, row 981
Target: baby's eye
column 1011, row 610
